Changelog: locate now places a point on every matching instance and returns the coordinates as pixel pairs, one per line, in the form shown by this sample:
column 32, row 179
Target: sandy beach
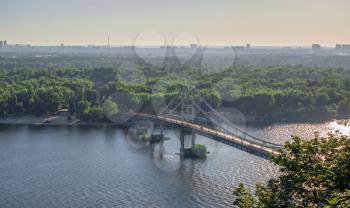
column 54, row 120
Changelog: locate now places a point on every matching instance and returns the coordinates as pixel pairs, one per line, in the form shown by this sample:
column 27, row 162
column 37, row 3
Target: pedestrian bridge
column 245, row 142
column 192, row 119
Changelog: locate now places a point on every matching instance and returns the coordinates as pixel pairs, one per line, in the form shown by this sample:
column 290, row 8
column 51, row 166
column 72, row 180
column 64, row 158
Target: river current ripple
column 99, row 167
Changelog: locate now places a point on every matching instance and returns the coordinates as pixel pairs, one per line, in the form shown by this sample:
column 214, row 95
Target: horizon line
column 178, row 45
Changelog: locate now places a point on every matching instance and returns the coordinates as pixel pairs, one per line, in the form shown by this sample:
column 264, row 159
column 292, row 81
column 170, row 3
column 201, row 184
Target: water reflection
column 280, row 133
column 96, row 167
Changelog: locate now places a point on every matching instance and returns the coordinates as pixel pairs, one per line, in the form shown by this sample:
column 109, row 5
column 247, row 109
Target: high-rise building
column 316, row 47
column 248, row 46
column 346, row 47
column 193, row 45
column 237, row 48
column 1, row 44
column 5, row 44
column 342, row 47
column 338, row 47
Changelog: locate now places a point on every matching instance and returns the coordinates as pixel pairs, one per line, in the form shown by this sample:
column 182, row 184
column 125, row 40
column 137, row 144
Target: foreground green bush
column 314, row 173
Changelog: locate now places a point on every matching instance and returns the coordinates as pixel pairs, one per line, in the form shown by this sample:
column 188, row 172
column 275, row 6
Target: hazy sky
column 259, row 22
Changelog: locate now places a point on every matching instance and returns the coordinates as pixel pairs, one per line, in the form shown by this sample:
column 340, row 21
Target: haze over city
column 82, row 22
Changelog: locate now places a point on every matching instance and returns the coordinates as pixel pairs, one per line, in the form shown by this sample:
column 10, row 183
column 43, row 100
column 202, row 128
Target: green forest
column 39, row 86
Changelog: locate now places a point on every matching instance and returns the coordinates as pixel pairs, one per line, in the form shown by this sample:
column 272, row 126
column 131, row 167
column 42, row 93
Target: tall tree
column 312, row 171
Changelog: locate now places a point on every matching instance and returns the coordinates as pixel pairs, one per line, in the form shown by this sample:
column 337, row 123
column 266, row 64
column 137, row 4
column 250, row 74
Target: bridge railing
column 220, row 134
column 219, row 130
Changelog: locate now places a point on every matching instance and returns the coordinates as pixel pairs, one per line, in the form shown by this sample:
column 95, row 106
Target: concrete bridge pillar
column 193, row 140
column 188, row 140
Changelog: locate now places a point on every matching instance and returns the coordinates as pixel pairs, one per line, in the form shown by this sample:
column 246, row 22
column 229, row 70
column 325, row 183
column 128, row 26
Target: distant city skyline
column 22, row 44
column 225, row 22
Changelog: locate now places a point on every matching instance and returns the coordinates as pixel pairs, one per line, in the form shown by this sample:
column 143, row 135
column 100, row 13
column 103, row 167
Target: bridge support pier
column 188, row 141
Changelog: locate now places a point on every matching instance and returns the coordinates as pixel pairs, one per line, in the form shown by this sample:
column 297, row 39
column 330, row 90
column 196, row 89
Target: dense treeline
column 33, row 86
column 292, row 92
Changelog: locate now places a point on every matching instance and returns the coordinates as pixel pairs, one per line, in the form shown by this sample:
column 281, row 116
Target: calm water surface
column 102, row 167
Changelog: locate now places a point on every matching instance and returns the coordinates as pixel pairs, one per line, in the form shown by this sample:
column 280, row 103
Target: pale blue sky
column 259, row 22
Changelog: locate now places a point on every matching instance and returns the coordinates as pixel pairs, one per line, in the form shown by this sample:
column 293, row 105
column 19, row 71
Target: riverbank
column 279, row 128
column 53, row 120
column 48, row 120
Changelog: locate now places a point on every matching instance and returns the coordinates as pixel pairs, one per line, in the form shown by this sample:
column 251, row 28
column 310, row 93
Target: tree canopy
column 313, row 173
column 37, row 86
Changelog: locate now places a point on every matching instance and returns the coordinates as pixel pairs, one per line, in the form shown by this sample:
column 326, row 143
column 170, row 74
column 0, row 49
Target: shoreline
column 62, row 120
column 58, row 120
column 48, row 120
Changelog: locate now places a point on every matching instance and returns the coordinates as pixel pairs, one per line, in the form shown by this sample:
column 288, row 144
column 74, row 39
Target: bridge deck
column 217, row 133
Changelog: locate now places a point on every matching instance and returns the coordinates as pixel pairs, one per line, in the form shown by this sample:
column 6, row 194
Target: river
column 102, row 167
